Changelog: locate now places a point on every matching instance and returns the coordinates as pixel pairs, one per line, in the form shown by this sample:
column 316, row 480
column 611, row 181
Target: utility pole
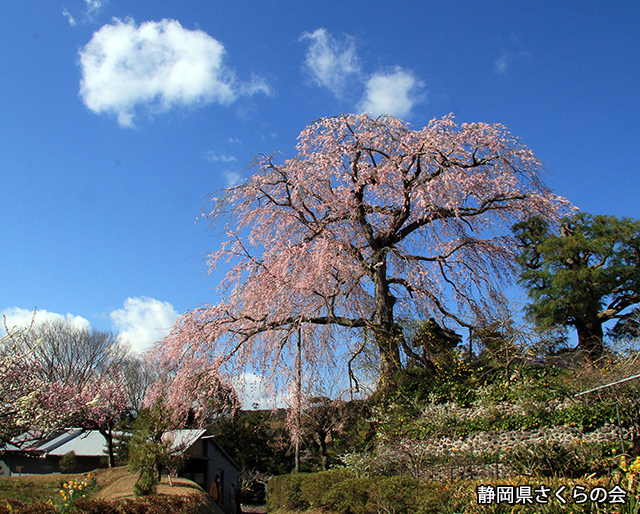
column 299, row 397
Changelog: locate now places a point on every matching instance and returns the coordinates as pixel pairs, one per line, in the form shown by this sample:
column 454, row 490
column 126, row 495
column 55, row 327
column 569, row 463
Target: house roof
column 91, row 443
column 83, row 443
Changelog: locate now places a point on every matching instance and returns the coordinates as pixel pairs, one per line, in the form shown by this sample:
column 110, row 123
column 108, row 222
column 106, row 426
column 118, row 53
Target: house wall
column 27, row 465
column 219, row 464
column 203, row 468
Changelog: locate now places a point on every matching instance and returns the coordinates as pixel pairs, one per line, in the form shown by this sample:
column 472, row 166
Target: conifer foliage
column 583, row 276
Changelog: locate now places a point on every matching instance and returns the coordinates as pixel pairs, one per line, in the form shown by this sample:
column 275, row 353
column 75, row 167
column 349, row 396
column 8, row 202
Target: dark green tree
column 149, row 450
column 583, row 276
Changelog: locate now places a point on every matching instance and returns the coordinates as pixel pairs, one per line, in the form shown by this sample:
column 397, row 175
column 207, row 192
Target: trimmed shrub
column 68, row 462
column 351, row 496
column 340, row 491
column 284, row 492
column 315, row 487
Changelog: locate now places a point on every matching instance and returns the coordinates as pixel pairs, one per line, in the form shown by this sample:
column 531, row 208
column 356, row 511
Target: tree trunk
column 590, row 336
column 108, row 435
column 388, row 344
column 387, row 334
column 321, row 440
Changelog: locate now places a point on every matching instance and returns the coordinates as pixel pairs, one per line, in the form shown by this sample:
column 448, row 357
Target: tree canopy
column 583, row 276
column 370, row 221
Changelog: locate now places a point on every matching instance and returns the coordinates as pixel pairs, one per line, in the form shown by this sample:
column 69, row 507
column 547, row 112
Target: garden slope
column 113, row 483
column 117, row 484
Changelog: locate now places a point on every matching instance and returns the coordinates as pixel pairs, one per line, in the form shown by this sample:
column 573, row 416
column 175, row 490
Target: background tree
column 370, row 219
column 19, row 387
column 150, row 450
column 70, row 354
column 325, row 420
column 63, row 376
column 583, row 276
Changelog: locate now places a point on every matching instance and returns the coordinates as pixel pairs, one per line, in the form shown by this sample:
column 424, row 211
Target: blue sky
column 118, row 118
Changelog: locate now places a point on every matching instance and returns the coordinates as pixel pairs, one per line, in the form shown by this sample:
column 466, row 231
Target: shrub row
column 149, row 505
column 340, row 491
column 343, row 493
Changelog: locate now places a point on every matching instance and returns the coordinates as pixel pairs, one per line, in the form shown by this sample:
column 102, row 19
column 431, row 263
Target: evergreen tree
column 583, row 276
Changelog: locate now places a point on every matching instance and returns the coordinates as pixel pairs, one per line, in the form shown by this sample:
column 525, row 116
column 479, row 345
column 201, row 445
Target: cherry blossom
column 371, row 221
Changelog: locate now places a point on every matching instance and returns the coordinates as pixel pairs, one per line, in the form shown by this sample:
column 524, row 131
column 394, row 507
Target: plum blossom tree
column 18, row 387
column 100, row 405
column 56, row 375
column 371, row 220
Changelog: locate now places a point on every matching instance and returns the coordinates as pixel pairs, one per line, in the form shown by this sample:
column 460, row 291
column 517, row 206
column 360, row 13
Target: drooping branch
column 367, row 208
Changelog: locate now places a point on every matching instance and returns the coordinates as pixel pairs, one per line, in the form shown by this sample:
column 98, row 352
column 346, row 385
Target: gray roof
column 83, row 443
column 88, row 443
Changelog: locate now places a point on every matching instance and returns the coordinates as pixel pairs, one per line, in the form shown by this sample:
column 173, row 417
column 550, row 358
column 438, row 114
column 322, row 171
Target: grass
column 34, row 488
column 112, row 484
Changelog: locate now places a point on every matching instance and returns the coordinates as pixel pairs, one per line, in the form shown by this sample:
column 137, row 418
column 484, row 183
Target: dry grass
column 113, row 484
column 122, row 487
column 33, row 488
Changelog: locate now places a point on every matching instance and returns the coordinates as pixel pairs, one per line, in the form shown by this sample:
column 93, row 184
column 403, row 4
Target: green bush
column 338, row 491
column 68, row 462
column 349, row 496
column 284, row 492
column 315, row 486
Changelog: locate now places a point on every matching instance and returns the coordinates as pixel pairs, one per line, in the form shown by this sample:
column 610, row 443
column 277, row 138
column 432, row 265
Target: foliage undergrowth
column 148, row 505
column 338, row 491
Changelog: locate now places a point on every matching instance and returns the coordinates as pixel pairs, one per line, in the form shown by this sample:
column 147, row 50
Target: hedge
column 341, row 491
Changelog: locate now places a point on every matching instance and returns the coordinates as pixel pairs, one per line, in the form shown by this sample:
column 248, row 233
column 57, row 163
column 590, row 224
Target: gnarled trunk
column 387, row 334
column 590, row 336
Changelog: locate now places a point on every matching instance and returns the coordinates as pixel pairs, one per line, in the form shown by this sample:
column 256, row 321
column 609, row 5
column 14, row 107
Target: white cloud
column 21, row 318
column 93, row 6
column 72, row 20
column 143, row 321
column 335, row 65
column 233, row 178
column 254, row 392
column 331, row 63
column 157, row 65
column 393, row 93
column 214, row 157
column 503, row 63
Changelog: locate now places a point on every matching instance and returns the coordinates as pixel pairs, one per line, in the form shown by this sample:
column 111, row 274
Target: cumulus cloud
column 335, row 65
column 256, row 394
column 329, row 62
column 21, row 318
column 157, row 65
column 393, row 93
column 143, row 321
